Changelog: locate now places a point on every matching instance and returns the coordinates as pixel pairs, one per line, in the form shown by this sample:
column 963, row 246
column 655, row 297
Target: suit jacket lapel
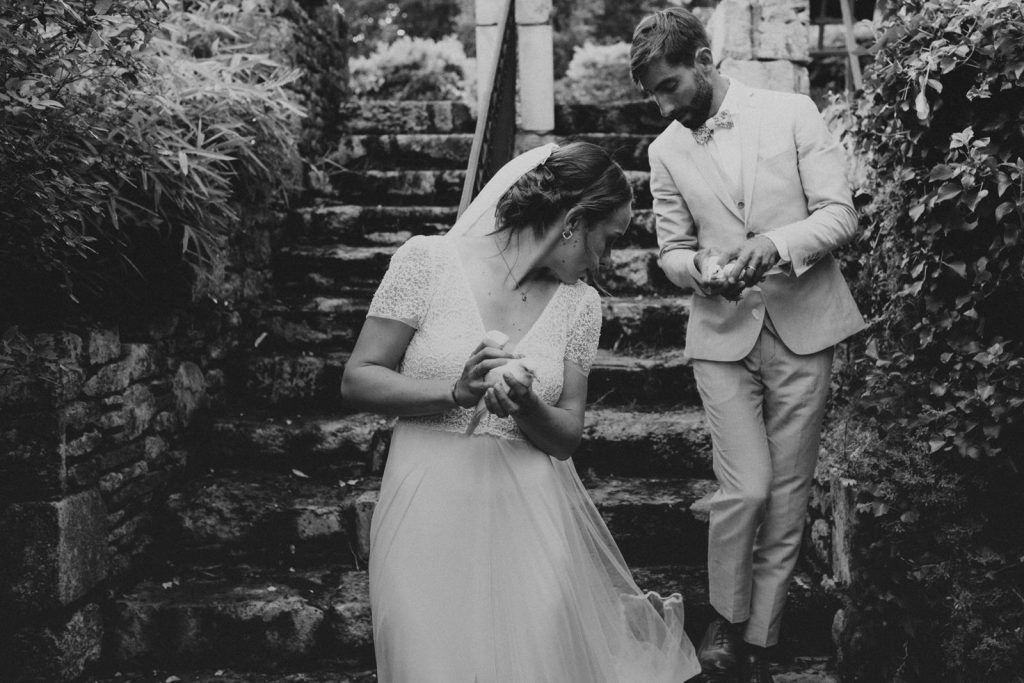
column 750, row 130
column 703, row 160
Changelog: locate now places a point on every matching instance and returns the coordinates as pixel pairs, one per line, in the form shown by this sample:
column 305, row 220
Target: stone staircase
column 262, row 575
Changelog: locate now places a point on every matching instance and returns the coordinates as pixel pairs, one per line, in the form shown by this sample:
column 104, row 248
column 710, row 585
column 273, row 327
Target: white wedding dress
column 488, row 561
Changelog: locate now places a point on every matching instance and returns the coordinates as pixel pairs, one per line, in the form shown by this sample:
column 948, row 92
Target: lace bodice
column 426, row 287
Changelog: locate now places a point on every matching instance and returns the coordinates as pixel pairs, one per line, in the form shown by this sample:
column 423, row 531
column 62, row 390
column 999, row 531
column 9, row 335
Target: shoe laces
column 723, row 636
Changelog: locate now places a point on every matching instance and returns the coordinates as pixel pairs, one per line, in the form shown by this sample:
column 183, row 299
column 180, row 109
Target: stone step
column 291, row 518
column 430, row 186
column 639, row 117
column 312, row 381
column 340, row 674
column 403, row 150
column 796, row 670
column 273, row 517
column 317, row 620
column 658, row 378
column 630, row 443
column 295, row 380
column 390, row 116
column 616, row 442
column 246, row 618
column 326, row 448
column 452, row 150
column 377, row 225
column 628, row 149
column 299, row 323
column 327, row 270
column 368, row 117
column 644, row 322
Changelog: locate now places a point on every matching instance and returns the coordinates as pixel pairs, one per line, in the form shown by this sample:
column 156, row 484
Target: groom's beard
column 700, row 110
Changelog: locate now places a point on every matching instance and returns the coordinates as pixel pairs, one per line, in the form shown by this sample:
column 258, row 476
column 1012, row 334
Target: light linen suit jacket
column 794, row 191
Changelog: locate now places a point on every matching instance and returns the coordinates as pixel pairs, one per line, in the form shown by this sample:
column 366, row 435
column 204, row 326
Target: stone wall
column 763, row 43
column 97, row 427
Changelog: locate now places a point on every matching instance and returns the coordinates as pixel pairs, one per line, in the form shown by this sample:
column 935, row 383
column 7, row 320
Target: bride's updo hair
column 579, row 178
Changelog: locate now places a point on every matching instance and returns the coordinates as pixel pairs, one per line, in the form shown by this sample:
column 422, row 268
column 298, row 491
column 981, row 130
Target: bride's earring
column 567, row 234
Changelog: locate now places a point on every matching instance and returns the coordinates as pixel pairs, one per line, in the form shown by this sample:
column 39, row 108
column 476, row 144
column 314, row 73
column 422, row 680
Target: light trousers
column 765, row 414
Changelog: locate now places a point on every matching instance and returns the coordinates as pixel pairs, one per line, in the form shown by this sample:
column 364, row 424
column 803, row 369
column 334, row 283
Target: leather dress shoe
column 754, row 666
column 719, row 648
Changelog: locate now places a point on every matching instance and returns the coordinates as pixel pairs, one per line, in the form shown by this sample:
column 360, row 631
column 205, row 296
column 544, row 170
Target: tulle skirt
column 490, row 563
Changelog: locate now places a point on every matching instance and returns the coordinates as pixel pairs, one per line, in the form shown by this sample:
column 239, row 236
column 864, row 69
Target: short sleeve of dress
column 404, row 292
column 585, row 331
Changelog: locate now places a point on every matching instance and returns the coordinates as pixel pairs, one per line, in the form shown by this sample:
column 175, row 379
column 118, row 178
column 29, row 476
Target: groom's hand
column 705, row 260
column 753, row 259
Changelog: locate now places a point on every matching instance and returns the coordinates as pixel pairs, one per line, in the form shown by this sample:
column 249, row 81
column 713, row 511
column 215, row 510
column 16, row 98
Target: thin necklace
column 518, row 285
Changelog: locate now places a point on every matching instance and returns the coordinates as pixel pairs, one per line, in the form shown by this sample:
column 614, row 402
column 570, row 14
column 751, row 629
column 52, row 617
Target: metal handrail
column 495, row 134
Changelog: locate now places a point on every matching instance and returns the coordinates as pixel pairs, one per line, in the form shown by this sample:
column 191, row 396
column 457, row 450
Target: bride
column 488, row 560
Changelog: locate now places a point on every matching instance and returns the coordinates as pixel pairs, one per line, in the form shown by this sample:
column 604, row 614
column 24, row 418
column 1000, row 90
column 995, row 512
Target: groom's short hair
column 673, row 33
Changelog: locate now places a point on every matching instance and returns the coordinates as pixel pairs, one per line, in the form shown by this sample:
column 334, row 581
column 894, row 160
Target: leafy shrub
column 942, row 372
column 598, row 74
column 128, row 148
column 413, row 69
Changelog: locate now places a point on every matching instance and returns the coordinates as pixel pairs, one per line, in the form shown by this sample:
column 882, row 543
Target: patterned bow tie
column 722, row 119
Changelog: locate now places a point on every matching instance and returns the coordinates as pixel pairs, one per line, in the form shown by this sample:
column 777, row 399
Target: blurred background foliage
column 133, row 133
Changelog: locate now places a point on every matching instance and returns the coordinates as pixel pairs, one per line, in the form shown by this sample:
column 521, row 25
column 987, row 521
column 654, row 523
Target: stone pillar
column 488, row 17
column 536, row 65
column 763, row 42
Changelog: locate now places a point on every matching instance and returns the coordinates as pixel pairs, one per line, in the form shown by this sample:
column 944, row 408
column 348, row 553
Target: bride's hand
column 472, row 384
column 518, row 400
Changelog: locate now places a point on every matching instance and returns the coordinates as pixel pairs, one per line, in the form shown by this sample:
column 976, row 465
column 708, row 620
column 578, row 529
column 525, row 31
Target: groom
column 750, row 198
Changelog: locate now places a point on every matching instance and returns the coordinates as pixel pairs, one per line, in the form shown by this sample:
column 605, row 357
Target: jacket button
column 749, row 235
column 740, row 205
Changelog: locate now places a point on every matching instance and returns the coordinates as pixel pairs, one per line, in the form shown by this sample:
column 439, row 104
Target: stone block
column 31, row 461
column 780, row 30
column 781, row 75
column 59, row 347
column 240, row 626
column 104, row 346
column 533, row 11
column 119, row 457
column 81, row 446
column 140, row 362
column 133, row 412
column 53, row 552
column 730, row 29
column 75, row 418
column 189, row 388
column 844, row 524
column 349, row 627
column 57, row 652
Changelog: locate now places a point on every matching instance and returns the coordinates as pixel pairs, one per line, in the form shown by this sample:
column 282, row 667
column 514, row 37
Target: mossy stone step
column 666, row 443
column 379, row 225
column 452, row 150
column 285, row 517
column 628, row 149
column 389, row 116
column 637, row 117
column 246, row 618
column 434, row 186
column 325, row 270
column 319, row 322
column 278, row 517
column 616, row 442
column 397, row 116
column 661, row 377
column 403, row 150
column 256, row 620
column 313, row 380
